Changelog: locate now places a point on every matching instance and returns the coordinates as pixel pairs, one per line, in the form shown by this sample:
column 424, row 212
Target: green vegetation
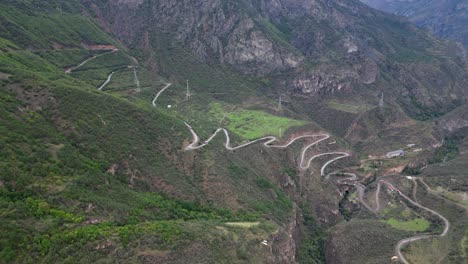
column 250, row 124
column 349, row 107
column 59, row 137
column 412, row 170
column 291, row 172
column 448, row 174
column 102, row 176
column 464, row 244
column 25, row 27
column 243, row 224
column 448, row 150
column 311, row 247
column 422, row 112
column 427, row 251
column 66, row 58
column 5, row 44
column 417, row 225
column 278, row 36
column 97, row 70
column 279, row 207
column 31, row 170
column 403, row 218
column 457, row 197
column 206, row 81
column 48, row 181
column 342, row 206
column 51, row 234
column 405, row 55
column 122, row 80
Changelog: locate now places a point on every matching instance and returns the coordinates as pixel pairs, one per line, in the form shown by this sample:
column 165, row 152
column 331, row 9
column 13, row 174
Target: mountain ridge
column 446, row 19
column 256, row 46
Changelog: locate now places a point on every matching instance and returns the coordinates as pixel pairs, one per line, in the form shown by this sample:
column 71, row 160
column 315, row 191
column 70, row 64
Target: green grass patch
column 349, row 107
column 5, row 44
column 418, row 224
column 243, row 224
column 251, row 124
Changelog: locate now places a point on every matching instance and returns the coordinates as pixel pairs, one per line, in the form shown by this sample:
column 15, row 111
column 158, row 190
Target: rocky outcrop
column 211, row 30
column 348, row 44
column 315, row 84
column 453, row 122
column 284, row 242
column 452, row 125
column 248, row 45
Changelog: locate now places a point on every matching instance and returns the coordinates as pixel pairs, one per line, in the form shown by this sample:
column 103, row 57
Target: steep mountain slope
column 447, row 19
column 86, row 175
column 333, row 48
column 99, row 159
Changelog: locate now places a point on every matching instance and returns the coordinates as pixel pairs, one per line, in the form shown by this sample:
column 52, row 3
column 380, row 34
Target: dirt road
column 159, row 93
column 109, row 78
column 351, row 179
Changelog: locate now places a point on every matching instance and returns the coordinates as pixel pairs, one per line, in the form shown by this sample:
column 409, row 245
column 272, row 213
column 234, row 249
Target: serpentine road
column 268, row 143
column 159, row 94
column 406, row 241
column 361, row 189
column 352, row 178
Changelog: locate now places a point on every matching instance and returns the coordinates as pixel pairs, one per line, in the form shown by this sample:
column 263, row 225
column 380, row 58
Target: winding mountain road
column 406, row 241
column 159, row 93
column 403, row 242
column 268, row 143
column 361, row 191
column 352, row 178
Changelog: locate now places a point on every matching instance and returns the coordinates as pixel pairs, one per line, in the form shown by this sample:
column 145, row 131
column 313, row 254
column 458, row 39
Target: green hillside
column 60, row 138
column 94, row 167
column 40, row 25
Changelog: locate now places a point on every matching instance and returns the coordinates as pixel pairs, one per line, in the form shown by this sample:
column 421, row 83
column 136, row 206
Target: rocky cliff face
column 447, row 19
column 320, row 48
column 212, row 30
column 284, row 243
column 455, row 121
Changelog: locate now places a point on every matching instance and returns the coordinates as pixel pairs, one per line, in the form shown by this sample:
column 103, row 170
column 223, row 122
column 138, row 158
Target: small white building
column 396, row 153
